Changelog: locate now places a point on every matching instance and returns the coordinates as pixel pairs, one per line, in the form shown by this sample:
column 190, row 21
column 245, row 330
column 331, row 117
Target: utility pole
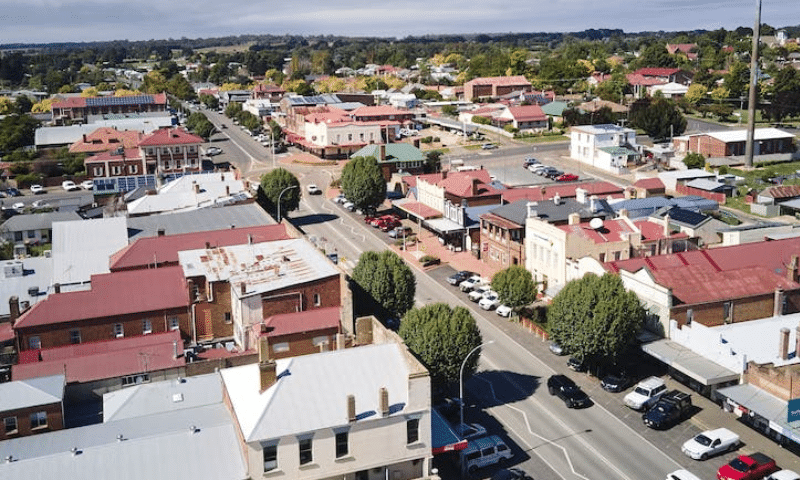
column 751, row 107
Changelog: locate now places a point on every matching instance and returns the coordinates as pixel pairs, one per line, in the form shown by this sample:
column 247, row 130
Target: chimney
column 557, row 199
column 263, row 348
column 580, row 195
column 13, row 309
column 340, row 341
column 574, row 218
column 351, row 408
column 208, row 245
column 593, row 206
column 444, row 174
column 777, row 308
column 666, row 225
column 57, row 287
column 784, row 353
column 84, row 139
column 243, row 287
column 227, row 190
column 161, row 231
column 475, row 183
column 249, row 239
column 791, row 270
column 383, row 401
column 267, row 373
column 196, row 188
column 383, row 152
column 623, row 212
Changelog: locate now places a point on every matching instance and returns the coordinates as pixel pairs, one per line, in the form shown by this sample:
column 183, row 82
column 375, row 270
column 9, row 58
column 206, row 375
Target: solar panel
column 116, row 101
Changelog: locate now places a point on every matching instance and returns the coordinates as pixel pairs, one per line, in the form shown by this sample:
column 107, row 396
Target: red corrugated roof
column 649, row 183
column 656, row 71
column 130, row 153
column 782, row 192
column 106, row 138
column 170, row 136
column 654, row 231
column 535, row 194
column 420, row 210
column 112, row 294
column 6, row 332
column 146, row 251
column 379, row 110
column 512, row 80
column 302, row 322
column 528, row 113
column 638, row 79
column 92, row 361
column 461, row 184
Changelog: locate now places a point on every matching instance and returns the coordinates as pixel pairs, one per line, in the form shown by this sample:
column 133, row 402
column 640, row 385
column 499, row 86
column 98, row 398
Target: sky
column 45, row 21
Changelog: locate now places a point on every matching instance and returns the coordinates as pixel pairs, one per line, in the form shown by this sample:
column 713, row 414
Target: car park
column 670, row 409
column 529, row 161
column 536, row 168
column 646, row 393
column 484, row 452
column 37, row 189
column 712, row 442
column 564, row 388
column 13, row 192
column 490, row 301
column 211, row 151
column 468, row 431
column 313, row 189
column 459, row 277
column 479, row 292
column 503, row 310
column 69, row 186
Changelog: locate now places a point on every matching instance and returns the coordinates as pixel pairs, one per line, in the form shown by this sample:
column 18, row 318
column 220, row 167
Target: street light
column 279, row 200
column 461, row 380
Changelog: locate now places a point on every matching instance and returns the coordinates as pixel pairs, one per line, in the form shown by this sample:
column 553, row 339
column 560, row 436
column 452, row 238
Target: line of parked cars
column 535, row 166
column 479, row 291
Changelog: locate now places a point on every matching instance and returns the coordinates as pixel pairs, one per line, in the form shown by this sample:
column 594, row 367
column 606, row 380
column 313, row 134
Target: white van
column 483, row 452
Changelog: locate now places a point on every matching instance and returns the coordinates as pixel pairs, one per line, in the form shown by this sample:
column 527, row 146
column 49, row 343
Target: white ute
column 710, row 443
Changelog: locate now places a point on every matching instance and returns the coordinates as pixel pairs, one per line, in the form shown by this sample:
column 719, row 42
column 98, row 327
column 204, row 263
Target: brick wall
column 782, row 382
column 303, row 343
column 298, row 298
column 684, row 190
column 55, row 420
column 712, row 314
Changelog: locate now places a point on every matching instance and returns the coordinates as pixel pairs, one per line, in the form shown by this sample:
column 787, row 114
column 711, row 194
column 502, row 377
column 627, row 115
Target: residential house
column 702, row 229
column 771, row 195
column 265, row 91
column 78, row 109
column 768, row 143
column 675, row 178
column 607, row 147
column 666, row 75
column 106, row 139
column 34, row 228
column 668, row 90
column 555, row 110
column 375, row 421
column 688, row 49
column 597, row 104
column 647, row 187
column 31, row 407
column 495, row 86
column 115, row 163
column 395, row 158
column 524, row 118
column 119, row 304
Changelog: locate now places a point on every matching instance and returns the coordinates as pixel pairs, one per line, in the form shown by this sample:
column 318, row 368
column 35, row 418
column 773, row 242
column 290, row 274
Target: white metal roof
column 27, row 279
column 190, row 192
column 683, row 174
column 31, row 393
column 263, row 267
column 159, row 397
column 81, row 248
column 741, row 135
column 311, row 390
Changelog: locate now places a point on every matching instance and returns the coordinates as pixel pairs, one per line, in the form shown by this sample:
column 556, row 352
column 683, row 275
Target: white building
column 192, row 192
column 361, row 413
column 608, row 147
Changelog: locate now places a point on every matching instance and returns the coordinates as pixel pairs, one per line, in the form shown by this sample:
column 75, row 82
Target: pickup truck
column 669, row 410
column 709, row 443
column 747, row 467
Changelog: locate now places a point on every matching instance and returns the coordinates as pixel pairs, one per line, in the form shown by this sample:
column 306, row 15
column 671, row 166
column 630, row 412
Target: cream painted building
column 326, row 134
column 608, row 147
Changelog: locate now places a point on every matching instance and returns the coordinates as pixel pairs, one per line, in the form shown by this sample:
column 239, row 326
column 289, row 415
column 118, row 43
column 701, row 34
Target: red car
column 747, row 467
column 379, row 221
column 389, row 224
column 567, row 177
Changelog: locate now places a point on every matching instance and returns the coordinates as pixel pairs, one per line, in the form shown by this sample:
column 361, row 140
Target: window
column 116, row 170
column 305, row 451
column 321, row 340
column 75, row 336
column 228, row 317
column 135, row 379
column 280, row 347
column 98, row 171
column 38, row 419
column 17, row 236
column 173, row 323
column 119, row 330
column 10, row 424
column 31, row 233
column 133, row 169
column 270, row 457
column 689, row 316
column 727, row 312
column 147, row 326
column 342, row 447
column 317, row 300
column 34, row 343
column 412, row 431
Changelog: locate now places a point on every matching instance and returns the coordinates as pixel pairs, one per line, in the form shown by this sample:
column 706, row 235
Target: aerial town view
column 410, row 241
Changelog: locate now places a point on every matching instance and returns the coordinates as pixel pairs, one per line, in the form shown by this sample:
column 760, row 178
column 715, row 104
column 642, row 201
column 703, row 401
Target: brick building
column 171, row 150
column 300, row 333
column 115, row 163
column 731, row 143
column 30, row 407
column 495, row 86
column 78, row 109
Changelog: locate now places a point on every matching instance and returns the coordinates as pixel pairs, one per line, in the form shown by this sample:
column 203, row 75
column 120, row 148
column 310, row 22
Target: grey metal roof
column 683, row 216
column 157, row 397
column 689, row 362
column 72, row 133
column 708, row 185
column 37, row 221
column 551, row 212
column 82, row 248
column 28, row 279
column 203, row 220
column 515, row 212
column 474, row 214
column 31, row 393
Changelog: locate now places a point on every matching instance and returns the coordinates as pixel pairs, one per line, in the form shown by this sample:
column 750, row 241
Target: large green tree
column 199, row 124
column 17, row 131
column 363, row 183
column 515, row 287
column 384, row 282
column 595, row 318
column 272, row 184
column 659, row 117
column 441, row 337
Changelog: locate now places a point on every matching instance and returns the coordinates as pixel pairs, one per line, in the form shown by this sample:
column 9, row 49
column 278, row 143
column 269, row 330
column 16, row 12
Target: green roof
column 395, row 152
column 555, row 108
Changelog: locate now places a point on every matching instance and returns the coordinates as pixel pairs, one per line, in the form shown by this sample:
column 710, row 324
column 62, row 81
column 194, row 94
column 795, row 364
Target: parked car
column 711, row 442
column 349, row 206
column 488, row 146
column 69, row 186
column 313, row 189
column 470, row 283
column 211, row 151
column 682, row 475
column 615, row 380
column 87, row 185
column 339, row 199
column 490, row 301
column 389, row 225
column 529, row 161
column 670, row 409
column 783, row 475
column 37, row 189
column 468, row 431
column 459, row 277
column 564, row 388
column 646, row 393
column 553, row 174
column 483, row 452
column 567, row 177
column 511, row 474
column 19, row 206
column 747, row 467
column 13, row 192
column 556, row 349
column 576, row 364
column 503, row 310
column 398, row 232
column 479, row 292
column 536, row 168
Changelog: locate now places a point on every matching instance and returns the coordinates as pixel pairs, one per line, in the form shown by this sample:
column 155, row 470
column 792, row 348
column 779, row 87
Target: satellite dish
column 596, row 223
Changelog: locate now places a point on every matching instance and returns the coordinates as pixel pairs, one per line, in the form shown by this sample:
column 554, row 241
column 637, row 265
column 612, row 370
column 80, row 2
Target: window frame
column 119, row 330
column 412, row 430
column 174, row 323
column 38, row 419
column 147, row 326
column 35, row 342
column 6, row 422
column 342, row 443
column 75, row 336
column 305, row 450
column 273, row 458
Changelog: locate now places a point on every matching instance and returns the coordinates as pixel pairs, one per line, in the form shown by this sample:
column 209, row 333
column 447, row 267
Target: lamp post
column 279, row 200
column 461, row 380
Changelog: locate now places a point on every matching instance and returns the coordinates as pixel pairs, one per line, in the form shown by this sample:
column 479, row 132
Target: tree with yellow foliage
column 229, row 86
column 90, row 92
column 121, row 92
column 45, row 106
column 6, row 106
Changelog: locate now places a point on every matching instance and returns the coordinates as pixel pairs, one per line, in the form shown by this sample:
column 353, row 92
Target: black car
column 13, row 192
column 459, row 277
column 615, row 381
column 576, row 365
column 511, row 474
column 564, row 388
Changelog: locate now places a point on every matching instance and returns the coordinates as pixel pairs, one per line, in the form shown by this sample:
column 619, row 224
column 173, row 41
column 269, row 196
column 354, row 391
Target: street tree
column 433, row 161
column 209, row 101
column 384, row 283
column 233, row 110
column 272, row 184
column 200, row 125
column 514, row 286
column 441, row 337
column 595, row 318
column 659, row 117
column 363, row 183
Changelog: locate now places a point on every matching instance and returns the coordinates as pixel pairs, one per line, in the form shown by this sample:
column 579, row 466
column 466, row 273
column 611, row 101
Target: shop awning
column 773, row 409
column 416, row 209
column 689, row 362
column 444, row 225
column 443, row 437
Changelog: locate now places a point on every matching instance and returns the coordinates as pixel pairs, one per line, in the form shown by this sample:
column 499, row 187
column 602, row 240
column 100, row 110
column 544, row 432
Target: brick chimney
column 383, row 401
column 475, row 183
column 791, row 270
column 383, row 152
column 267, row 368
column 784, row 352
column 777, row 308
column 574, row 218
column 13, row 309
column 666, row 225
column 57, row 287
column 161, row 231
column 444, row 174
column 351, row 408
